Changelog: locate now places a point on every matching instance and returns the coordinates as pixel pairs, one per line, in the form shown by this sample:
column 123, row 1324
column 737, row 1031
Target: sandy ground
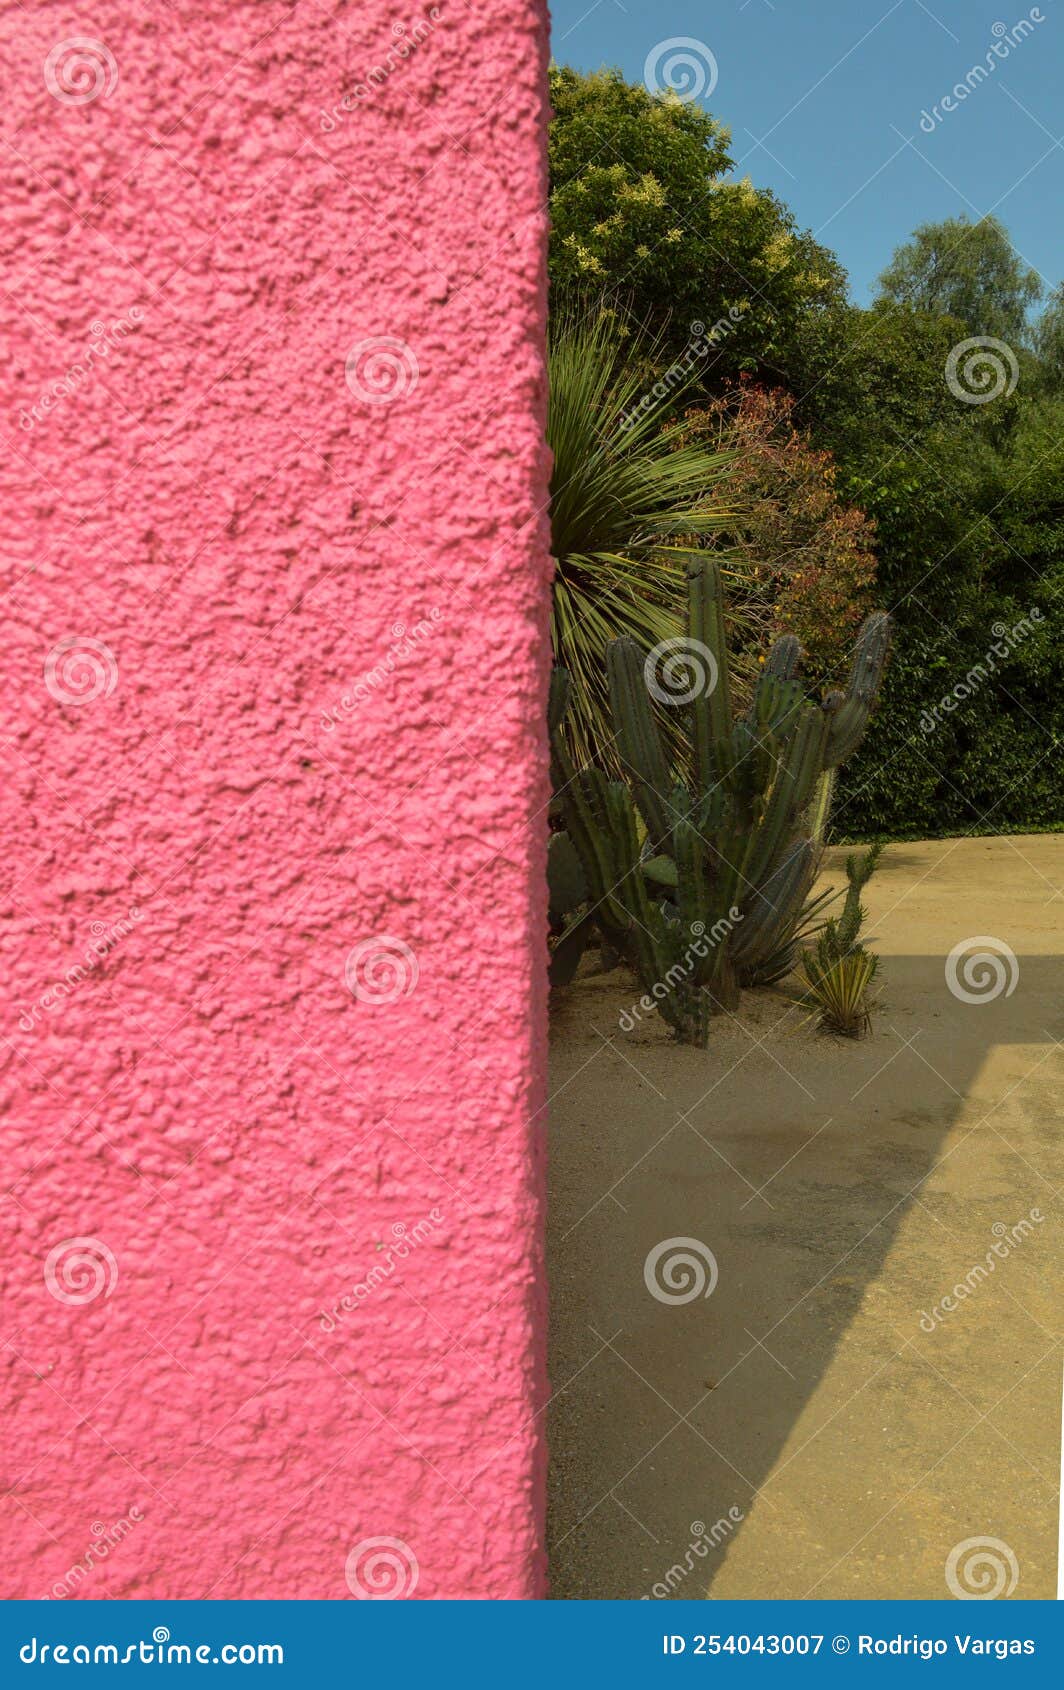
column 813, row 1427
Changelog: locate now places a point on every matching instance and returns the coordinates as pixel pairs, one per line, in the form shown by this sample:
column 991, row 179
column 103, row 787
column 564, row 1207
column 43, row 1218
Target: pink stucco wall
column 275, row 580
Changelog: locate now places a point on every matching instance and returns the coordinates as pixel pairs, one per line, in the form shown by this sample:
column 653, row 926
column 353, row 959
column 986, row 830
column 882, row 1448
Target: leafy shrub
column 810, row 557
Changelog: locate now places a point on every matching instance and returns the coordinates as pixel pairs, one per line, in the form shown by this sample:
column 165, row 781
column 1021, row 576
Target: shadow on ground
column 820, row 1425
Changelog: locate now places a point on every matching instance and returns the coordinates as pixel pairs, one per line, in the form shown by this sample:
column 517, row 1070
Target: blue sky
column 831, row 104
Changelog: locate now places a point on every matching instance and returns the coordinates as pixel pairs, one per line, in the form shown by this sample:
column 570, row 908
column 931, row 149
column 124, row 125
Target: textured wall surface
column 275, row 584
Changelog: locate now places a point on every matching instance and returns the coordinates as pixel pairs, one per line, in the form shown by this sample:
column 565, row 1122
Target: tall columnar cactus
column 736, row 851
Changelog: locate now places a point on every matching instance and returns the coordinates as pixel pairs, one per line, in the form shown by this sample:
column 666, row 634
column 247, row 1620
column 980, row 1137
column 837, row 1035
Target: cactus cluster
column 712, row 892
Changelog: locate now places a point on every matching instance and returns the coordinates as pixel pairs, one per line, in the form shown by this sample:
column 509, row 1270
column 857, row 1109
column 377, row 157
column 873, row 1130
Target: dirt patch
column 819, row 1425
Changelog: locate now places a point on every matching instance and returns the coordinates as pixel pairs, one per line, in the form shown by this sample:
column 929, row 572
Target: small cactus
column 838, row 970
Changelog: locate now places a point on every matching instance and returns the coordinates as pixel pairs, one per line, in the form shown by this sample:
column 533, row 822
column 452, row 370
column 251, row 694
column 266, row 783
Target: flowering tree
column 644, row 216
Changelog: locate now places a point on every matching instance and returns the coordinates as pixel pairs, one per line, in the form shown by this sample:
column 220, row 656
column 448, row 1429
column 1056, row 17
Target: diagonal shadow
column 823, row 1440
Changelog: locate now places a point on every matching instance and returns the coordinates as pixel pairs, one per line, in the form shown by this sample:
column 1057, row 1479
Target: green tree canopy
column 1049, row 338
column 642, row 213
column 968, row 270
column 970, row 524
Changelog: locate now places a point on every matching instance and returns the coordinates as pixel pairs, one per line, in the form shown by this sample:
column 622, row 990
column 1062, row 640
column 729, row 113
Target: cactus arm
column 777, row 704
column 782, row 661
column 789, row 795
column 692, row 892
column 711, row 717
column 557, row 699
column 773, row 901
column 566, row 881
column 850, row 719
column 584, row 808
column 638, row 739
column 645, row 937
column 820, row 808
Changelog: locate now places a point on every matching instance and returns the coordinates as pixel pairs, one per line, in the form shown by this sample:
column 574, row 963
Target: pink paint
column 300, row 716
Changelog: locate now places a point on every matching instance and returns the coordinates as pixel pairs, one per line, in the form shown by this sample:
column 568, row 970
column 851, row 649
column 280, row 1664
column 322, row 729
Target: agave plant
column 630, row 503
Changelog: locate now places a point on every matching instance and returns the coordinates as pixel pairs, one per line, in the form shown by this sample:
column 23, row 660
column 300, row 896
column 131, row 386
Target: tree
column 641, row 214
column 870, row 380
column 970, row 537
column 1049, row 339
column 968, row 270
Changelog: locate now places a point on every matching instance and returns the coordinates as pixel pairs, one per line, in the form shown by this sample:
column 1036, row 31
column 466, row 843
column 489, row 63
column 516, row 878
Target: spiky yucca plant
column 838, row 969
column 839, row 992
column 629, row 505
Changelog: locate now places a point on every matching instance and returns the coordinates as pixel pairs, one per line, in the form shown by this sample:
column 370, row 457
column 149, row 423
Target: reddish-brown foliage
column 811, row 558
